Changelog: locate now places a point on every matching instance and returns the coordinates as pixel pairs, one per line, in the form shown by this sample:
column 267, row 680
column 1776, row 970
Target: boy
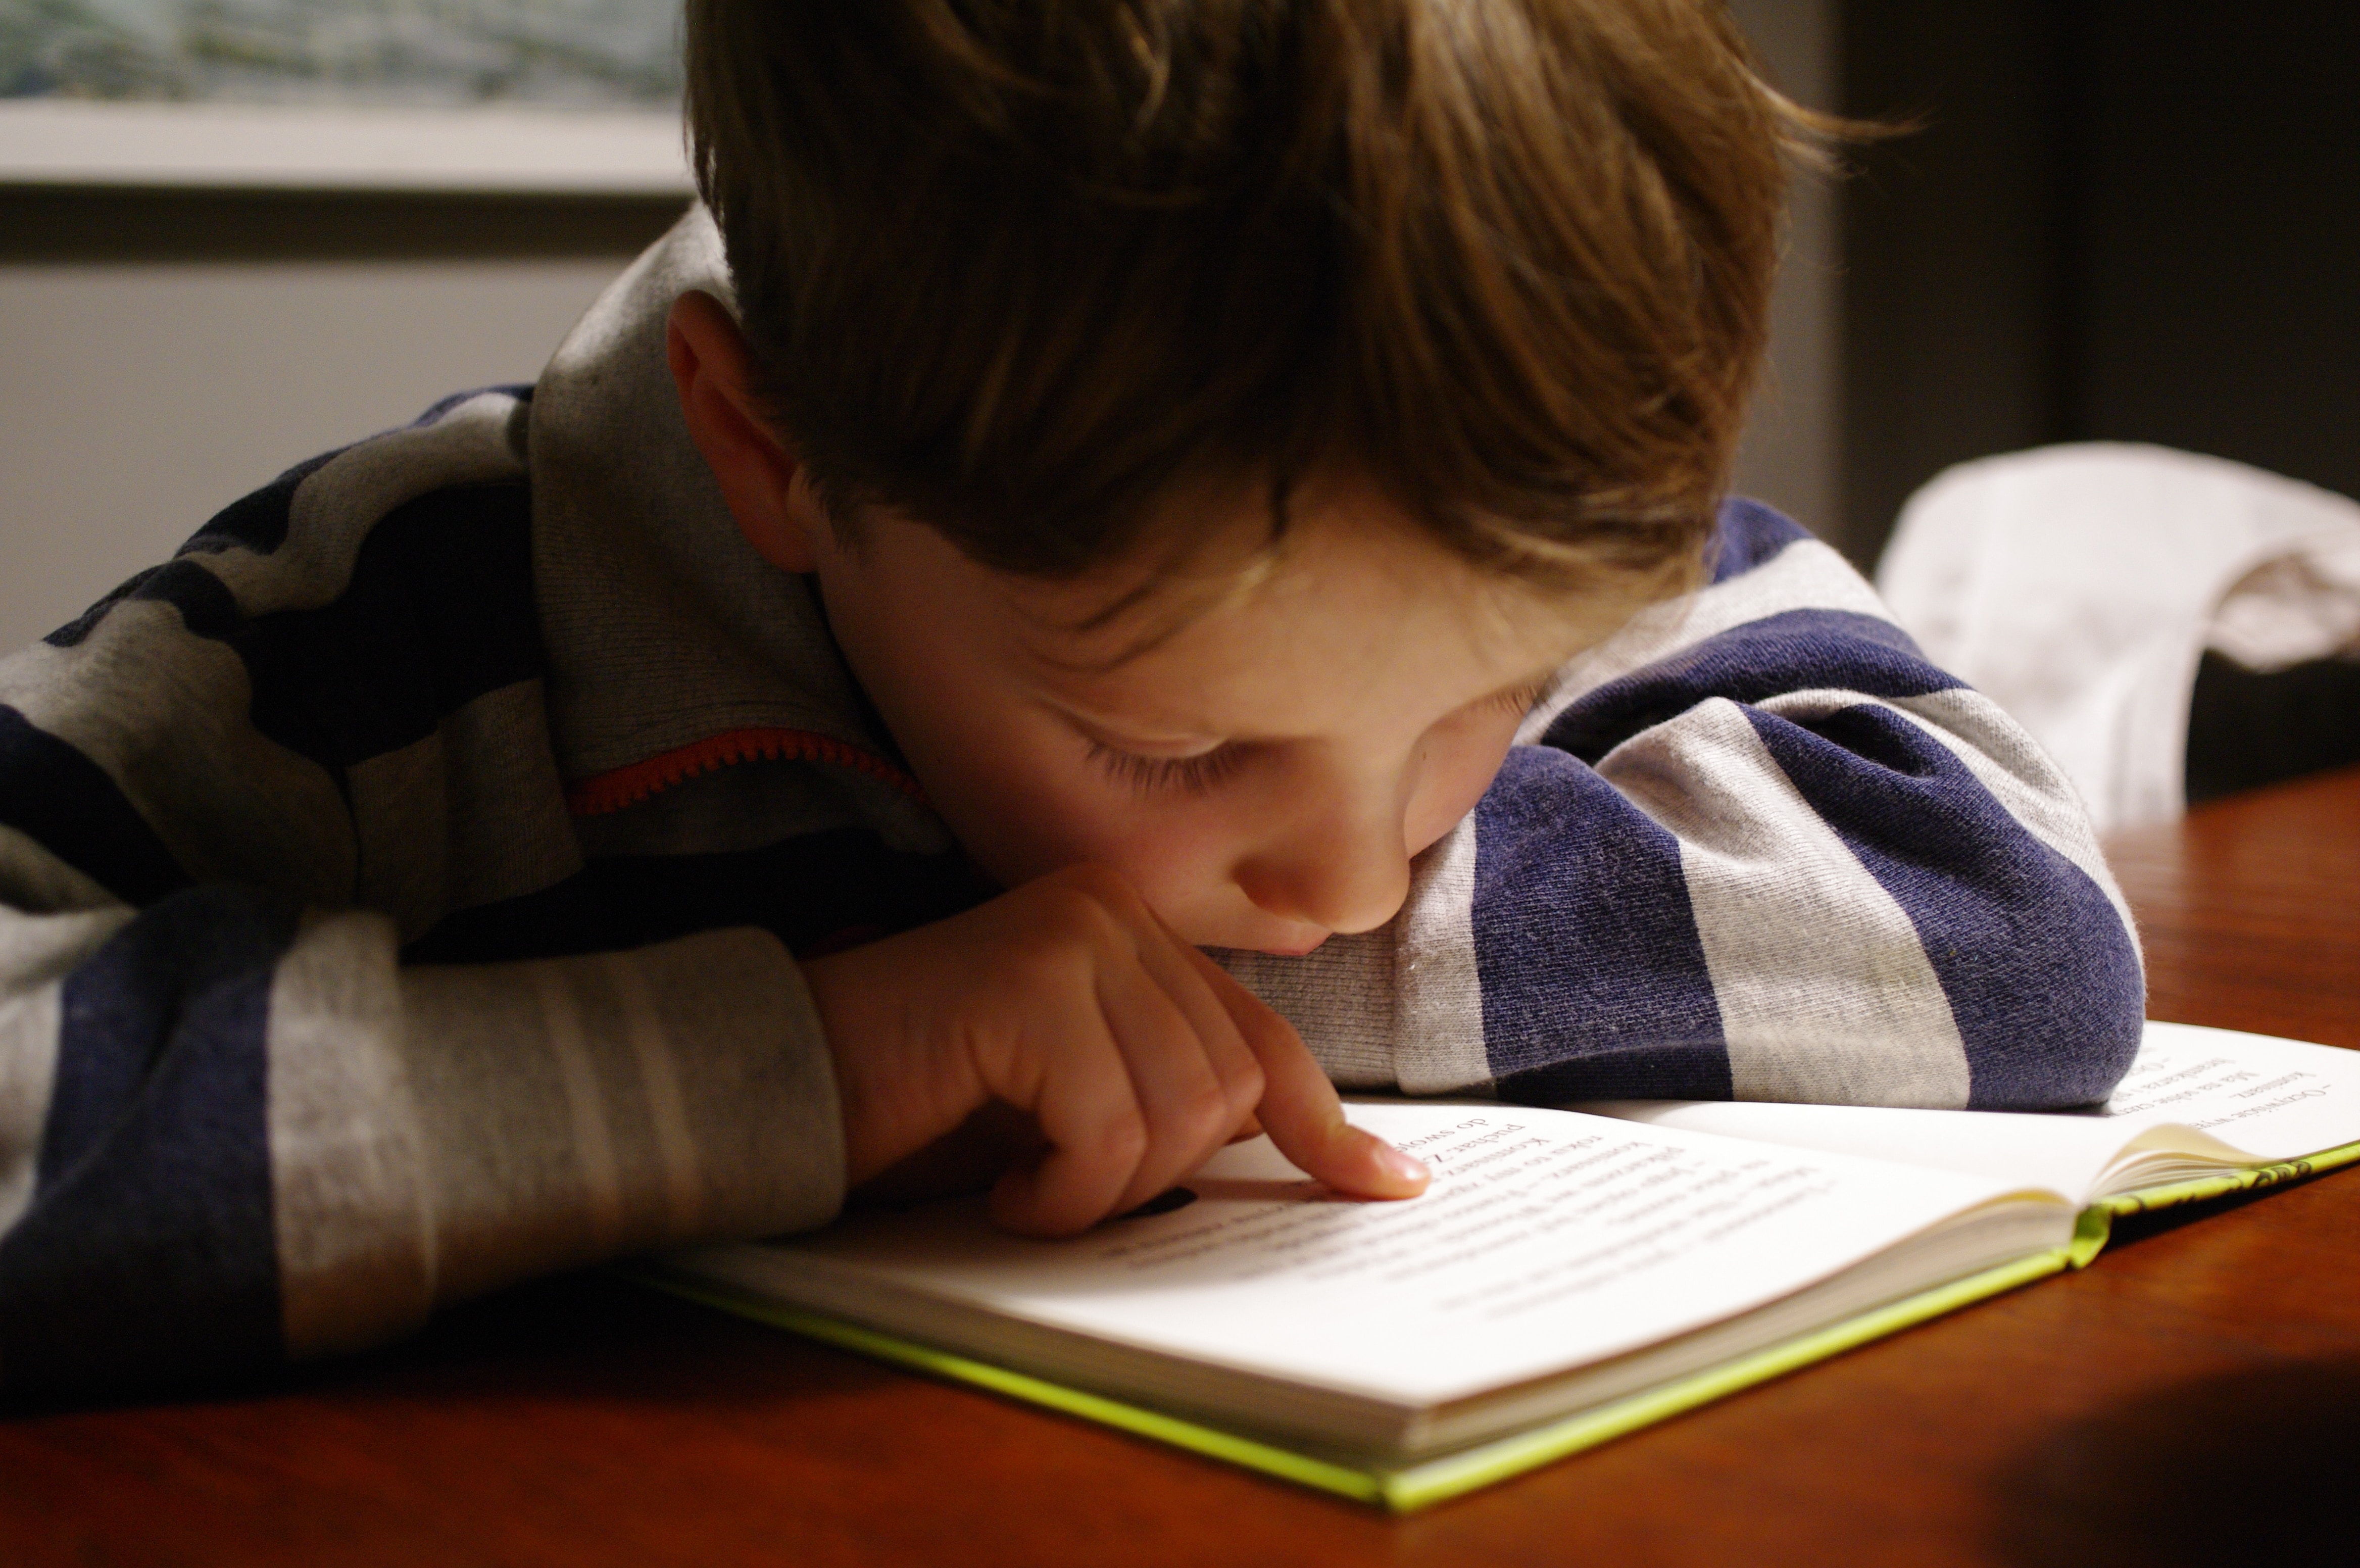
column 1116, row 480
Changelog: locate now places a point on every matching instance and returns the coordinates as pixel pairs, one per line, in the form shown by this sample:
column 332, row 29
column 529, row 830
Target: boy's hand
column 1133, row 1052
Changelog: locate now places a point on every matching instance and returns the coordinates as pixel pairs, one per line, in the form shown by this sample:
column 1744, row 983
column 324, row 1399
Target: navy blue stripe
column 1593, row 976
column 1797, row 650
column 1748, row 534
column 207, row 607
column 439, row 611
column 203, row 601
column 259, row 521
column 2042, row 978
column 66, row 803
column 149, row 1250
column 628, row 900
column 71, row 633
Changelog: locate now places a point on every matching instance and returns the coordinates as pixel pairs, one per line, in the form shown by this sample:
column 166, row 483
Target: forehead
column 1358, row 618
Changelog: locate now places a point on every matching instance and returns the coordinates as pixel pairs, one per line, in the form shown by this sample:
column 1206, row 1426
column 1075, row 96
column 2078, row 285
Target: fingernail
column 1408, row 1167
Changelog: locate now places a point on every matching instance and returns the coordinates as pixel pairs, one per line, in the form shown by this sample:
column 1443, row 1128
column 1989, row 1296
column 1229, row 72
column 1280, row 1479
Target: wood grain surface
column 2192, row 1398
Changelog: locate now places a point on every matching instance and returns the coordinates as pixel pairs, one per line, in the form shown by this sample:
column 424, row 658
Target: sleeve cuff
column 584, row 1108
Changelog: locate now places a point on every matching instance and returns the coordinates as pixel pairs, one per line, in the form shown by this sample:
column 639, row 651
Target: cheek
column 1027, row 804
column 1457, row 772
column 1176, row 853
column 1014, row 808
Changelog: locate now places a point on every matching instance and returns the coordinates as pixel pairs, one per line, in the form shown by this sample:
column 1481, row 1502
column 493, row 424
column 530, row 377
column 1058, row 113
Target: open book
column 1568, row 1276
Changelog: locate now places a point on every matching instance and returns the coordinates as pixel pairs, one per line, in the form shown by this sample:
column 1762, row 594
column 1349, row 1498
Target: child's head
column 1326, row 330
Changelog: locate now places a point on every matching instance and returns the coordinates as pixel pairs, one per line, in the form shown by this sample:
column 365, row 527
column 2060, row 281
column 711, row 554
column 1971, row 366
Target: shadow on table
column 2259, row 1467
column 596, row 1335
column 592, row 1336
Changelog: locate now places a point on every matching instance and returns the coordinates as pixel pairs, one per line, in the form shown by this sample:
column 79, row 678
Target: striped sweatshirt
column 401, row 888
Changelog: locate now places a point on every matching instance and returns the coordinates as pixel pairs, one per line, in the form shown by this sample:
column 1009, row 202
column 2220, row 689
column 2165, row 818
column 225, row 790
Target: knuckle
column 1206, row 1110
column 1243, row 1081
column 1118, row 1140
column 1055, row 947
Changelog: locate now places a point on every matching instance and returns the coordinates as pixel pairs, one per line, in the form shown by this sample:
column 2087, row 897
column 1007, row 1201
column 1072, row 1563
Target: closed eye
column 1157, row 775
column 1522, row 699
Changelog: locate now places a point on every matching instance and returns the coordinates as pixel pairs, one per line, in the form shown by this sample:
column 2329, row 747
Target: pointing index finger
column 1300, row 1110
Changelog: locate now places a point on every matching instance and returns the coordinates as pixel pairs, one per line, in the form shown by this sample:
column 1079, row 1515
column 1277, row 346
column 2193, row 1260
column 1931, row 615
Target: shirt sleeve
column 234, row 1127
column 1755, row 847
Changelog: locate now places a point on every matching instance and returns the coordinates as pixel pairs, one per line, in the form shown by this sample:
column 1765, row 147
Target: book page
column 2241, row 1099
column 1547, row 1240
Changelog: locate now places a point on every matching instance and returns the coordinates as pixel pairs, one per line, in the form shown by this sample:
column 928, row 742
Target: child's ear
column 714, row 370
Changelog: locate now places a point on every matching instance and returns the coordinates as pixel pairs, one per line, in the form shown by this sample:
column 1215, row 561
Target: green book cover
column 1408, row 1488
column 2228, row 1181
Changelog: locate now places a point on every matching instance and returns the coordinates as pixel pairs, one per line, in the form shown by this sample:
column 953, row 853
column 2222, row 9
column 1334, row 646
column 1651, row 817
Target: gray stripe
column 503, row 1175
column 1399, row 1006
column 1824, row 988
column 762, row 1131
column 1340, row 998
column 587, row 1122
column 28, row 1066
column 510, row 832
column 1441, row 1046
column 35, row 880
column 578, row 1108
column 400, row 820
column 36, row 953
column 165, row 714
column 667, row 1111
column 352, row 1215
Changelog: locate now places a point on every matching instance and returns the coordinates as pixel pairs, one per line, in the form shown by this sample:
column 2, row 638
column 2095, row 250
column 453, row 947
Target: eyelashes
column 1157, row 775
column 1524, row 699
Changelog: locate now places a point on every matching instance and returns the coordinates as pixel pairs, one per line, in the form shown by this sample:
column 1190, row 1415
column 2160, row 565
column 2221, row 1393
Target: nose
column 1343, row 867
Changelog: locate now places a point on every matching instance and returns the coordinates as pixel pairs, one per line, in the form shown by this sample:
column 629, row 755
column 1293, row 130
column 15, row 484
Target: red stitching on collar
column 612, row 791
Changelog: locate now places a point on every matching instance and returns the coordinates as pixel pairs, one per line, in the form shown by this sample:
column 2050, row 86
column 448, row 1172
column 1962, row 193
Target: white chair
column 2080, row 586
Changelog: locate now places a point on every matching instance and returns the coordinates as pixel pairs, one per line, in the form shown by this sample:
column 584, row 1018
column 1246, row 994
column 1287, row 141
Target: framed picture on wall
column 544, row 95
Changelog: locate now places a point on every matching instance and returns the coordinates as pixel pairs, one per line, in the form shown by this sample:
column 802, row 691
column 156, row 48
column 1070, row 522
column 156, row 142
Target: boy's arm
column 230, row 1130
column 230, row 1135
column 1755, row 847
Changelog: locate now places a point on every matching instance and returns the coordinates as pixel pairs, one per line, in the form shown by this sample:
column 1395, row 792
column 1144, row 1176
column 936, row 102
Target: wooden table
column 2194, row 1397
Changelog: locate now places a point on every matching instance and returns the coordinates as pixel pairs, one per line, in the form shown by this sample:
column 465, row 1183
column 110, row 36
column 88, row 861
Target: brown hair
column 1023, row 270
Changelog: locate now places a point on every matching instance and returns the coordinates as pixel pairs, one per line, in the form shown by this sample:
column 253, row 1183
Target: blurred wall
column 1793, row 455
column 163, row 353
column 2122, row 220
